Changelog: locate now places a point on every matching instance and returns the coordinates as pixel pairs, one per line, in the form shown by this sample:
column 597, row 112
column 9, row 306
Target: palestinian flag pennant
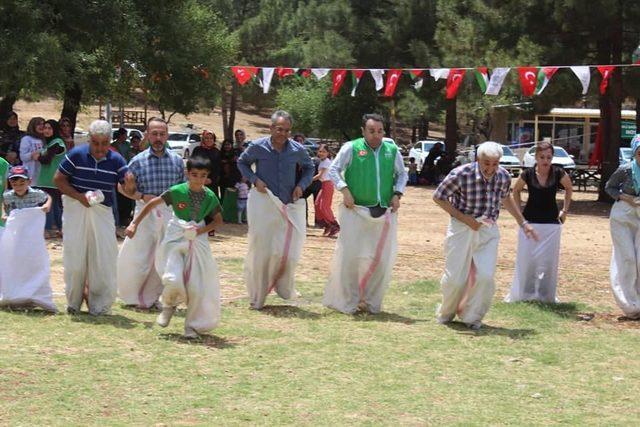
column 439, row 73
column 482, row 77
column 497, row 79
column 244, row 74
column 356, row 75
column 454, row 80
column 416, row 76
column 378, row 77
column 338, row 77
column 392, row 82
column 544, row 75
column 528, row 80
column 606, row 71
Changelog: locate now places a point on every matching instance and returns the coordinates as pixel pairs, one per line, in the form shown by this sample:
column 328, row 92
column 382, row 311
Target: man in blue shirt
column 90, row 246
column 275, row 210
column 151, row 173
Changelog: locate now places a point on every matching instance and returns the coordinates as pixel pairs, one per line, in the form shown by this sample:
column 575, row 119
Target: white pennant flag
column 439, row 73
column 418, row 83
column 584, row 75
column 496, row 80
column 320, row 72
column 267, row 75
column 377, row 75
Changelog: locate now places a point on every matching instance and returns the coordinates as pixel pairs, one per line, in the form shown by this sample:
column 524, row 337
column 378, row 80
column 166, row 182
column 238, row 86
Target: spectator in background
column 50, row 159
column 136, row 145
column 66, row 132
column 313, row 188
column 30, row 146
column 241, row 143
column 10, row 135
column 429, row 171
column 324, row 212
column 413, row 171
column 230, row 175
column 208, row 150
column 121, row 145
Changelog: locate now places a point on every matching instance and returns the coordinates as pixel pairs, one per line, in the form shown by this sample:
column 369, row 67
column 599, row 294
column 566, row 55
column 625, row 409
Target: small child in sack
column 24, row 267
column 243, row 195
column 184, row 260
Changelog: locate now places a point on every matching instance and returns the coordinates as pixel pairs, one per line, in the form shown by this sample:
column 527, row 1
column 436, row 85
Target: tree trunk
column 6, row 104
column 232, row 110
column 71, row 105
column 225, row 114
column 451, row 127
column 612, row 103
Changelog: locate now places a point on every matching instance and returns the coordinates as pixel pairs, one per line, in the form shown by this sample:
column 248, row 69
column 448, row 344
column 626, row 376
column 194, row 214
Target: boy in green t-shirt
column 184, row 261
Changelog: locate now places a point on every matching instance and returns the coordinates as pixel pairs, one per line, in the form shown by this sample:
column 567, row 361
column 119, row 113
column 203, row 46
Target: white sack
column 90, row 251
column 276, row 235
column 363, row 260
column 625, row 234
column 536, row 273
column 190, row 275
column 138, row 281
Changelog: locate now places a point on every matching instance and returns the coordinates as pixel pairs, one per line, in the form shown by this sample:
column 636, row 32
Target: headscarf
column 212, row 146
column 56, row 130
column 635, row 167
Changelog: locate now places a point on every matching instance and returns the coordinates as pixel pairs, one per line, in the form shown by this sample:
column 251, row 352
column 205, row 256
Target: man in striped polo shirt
column 472, row 194
column 90, row 246
column 154, row 171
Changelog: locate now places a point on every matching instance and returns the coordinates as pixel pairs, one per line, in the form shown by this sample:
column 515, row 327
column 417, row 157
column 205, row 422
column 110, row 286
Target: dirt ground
column 584, row 258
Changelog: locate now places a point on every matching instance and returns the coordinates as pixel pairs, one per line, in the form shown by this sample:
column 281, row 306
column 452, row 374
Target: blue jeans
column 54, row 216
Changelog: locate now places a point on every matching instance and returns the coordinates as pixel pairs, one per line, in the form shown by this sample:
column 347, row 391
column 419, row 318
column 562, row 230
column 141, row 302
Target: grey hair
column 281, row 114
column 100, row 128
column 490, row 149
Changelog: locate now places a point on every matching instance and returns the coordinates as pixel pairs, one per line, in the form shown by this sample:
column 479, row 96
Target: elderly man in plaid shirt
column 154, row 171
column 472, row 194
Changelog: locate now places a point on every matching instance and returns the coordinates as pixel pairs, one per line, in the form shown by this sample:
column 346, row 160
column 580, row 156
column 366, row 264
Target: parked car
column 420, row 150
column 183, row 142
column 312, row 144
column 509, row 161
column 560, row 158
column 625, row 155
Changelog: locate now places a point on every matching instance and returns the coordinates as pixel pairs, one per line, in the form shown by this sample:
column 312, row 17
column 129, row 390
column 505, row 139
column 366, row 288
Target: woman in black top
column 536, row 273
column 208, row 150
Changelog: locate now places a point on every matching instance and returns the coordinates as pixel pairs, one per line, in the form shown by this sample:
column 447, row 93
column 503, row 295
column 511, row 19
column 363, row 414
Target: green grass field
column 302, row 364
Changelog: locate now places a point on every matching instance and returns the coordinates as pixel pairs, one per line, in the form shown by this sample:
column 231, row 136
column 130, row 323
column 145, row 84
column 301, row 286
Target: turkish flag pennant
column 454, row 80
column 244, row 74
column 528, row 80
column 284, row 72
column 392, row 81
column 606, row 72
column 338, row 77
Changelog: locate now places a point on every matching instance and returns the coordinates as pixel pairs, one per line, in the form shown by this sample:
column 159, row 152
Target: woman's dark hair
column 227, row 141
column 326, row 147
column 56, row 129
column 200, row 163
column 31, row 127
column 544, row 145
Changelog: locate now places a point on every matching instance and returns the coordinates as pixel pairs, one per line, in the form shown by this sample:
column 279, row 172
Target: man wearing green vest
column 370, row 174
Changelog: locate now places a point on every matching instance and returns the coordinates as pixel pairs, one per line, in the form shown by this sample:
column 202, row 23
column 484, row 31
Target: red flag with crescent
column 392, row 81
column 528, row 80
column 606, row 72
column 454, row 80
column 338, row 77
column 283, row 72
column 244, row 74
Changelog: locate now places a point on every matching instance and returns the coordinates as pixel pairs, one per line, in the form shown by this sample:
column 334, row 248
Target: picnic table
column 585, row 175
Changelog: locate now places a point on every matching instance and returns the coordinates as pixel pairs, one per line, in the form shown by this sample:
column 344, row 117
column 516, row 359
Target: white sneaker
column 165, row 316
column 190, row 333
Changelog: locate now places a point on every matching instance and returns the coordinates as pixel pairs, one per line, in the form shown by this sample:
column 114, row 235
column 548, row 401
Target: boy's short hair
column 412, row 159
column 198, row 163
